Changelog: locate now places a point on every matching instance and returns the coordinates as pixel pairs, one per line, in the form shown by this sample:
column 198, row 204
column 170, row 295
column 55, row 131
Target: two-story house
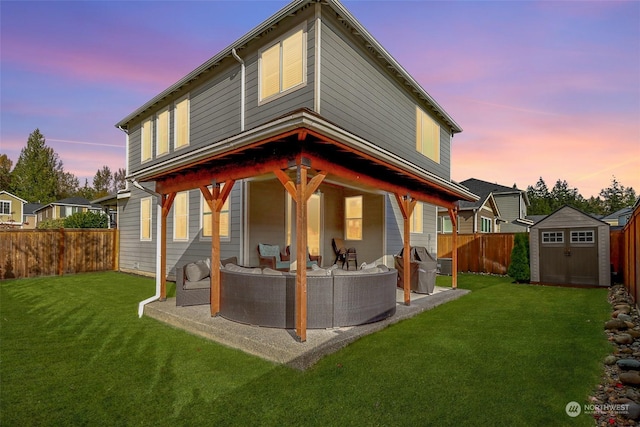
column 511, row 204
column 11, row 210
column 481, row 216
column 303, row 130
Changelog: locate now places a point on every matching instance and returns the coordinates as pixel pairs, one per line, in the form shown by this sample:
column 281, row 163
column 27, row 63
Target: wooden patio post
column 453, row 214
column 167, row 201
column 215, row 200
column 301, row 253
column 407, row 204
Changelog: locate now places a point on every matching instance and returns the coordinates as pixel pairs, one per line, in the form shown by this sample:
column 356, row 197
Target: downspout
column 242, row 88
column 158, row 248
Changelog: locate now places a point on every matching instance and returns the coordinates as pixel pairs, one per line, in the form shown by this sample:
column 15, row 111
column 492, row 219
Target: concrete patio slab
column 281, row 345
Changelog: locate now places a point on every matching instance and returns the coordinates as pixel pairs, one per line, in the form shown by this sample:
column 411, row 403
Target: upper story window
column 225, row 224
column 147, row 140
column 162, row 132
column 427, row 135
column 282, row 65
column 181, row 216
column 181, row 123
column 145, row 218
column 353, row 217
column 5, row 207
column 417, row 218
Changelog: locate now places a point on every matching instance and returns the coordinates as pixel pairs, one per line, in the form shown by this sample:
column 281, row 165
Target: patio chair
column 272, row 257
column 311, row 259
column 344, row 254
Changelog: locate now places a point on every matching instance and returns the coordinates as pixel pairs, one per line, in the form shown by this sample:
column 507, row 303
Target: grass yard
column 74, row 352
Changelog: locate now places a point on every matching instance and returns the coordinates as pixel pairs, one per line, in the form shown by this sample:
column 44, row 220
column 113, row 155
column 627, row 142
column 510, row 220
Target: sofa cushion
column 246, row 270
column 271, row 272
column 319, row 272
column 341, row 272
column 270, row 250
column 201, row 284
column 196, row 271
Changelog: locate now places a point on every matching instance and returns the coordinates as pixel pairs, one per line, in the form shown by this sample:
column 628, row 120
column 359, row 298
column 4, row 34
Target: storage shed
column 570, row 247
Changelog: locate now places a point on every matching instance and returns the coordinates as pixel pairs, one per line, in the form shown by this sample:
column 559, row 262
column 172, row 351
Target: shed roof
column 562, row 211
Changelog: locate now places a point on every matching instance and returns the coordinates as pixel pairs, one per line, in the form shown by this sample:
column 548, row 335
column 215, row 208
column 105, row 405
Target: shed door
column 569, row 256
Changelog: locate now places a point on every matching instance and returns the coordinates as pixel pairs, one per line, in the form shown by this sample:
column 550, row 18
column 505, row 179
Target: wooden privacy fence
column 30, row 253
column 480, row 252
column 630, row 259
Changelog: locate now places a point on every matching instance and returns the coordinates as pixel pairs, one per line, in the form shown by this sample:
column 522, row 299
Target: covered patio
column 276, row 344
column 302, row 150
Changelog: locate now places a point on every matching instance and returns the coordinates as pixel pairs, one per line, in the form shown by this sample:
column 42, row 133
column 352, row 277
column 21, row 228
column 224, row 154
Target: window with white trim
column 181, row 216
column 145, row 218
column 552, row 237
column 353, row 217
column 417, row 218
column 427, row 135
column 282, row 65
column 147, row 140
column 205, row 217
column 486, row 225
column 583, row 236
column 162, row 132
column 444, row 225
column 181, row 123
column 5, row 207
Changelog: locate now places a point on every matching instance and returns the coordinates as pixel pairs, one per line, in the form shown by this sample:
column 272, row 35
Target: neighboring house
column 481, row 216
column 109, row 205
column 64, row 208
column 30, row 218
column 619, row 218
column 512, row 204
column 11, row 210
column 307, row 103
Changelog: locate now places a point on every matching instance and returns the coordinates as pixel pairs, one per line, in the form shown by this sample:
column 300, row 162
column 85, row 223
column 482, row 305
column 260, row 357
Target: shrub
column 87, row 220
column 51, row 223
column 519, row 268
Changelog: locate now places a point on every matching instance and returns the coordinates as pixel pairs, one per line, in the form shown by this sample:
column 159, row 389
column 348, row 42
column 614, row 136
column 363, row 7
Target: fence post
column 61, row 255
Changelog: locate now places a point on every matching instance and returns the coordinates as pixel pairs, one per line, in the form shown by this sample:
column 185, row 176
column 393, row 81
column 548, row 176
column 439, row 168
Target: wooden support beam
column 215, row 199
column 406, row 204
column 453, row 214
column 167, row 201
column 301, row 254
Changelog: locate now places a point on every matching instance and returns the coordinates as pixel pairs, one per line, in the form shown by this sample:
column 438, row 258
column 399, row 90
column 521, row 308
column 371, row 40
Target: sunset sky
column 545, row 89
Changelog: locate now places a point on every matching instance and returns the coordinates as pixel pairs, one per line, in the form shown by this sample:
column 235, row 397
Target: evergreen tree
column 119, row 181
column 616, row 197
column 519, row 269
column 37, row 171
column 539, row 199
column 5, row 173
column 102, row 181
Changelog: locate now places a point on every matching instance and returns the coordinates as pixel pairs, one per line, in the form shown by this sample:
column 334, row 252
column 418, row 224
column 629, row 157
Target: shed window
column 282, row 65
column 427, row 135
column 552, row 237
column 585, row 236
column 5, row 207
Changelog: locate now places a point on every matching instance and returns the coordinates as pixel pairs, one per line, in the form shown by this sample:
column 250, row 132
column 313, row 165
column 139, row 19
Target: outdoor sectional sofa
column 335, row 297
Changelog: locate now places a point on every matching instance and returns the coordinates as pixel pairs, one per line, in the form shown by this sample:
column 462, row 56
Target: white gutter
column 158, row 248
column 242, row 79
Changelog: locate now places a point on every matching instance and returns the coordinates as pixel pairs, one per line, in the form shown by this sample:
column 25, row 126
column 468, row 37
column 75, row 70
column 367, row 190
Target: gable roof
column 564, row 208
column 13, row 195
column 30, row 208
column 481, row 187
column 368, row 41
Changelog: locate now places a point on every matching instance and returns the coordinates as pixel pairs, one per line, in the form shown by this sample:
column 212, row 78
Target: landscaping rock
column 615, row 324
column 624, row 317
column 633, row 412
column 631, row 377
column 628, row 364
column 623, row 339
column 610, row 360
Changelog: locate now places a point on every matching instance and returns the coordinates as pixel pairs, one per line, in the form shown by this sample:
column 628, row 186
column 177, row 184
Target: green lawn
column 74, row 352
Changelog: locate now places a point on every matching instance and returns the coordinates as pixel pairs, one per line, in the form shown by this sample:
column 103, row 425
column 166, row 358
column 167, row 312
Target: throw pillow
column 270, row 250
column 196, row 271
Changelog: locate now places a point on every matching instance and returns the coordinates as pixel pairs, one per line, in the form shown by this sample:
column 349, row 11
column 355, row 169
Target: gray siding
column 359, row 96
column 395, row 229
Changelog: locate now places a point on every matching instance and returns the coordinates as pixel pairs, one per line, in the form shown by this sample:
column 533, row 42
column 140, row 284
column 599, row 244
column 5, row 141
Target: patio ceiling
column 316, row 143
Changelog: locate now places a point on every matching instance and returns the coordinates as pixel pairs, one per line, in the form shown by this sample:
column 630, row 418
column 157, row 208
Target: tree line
column 39, row 176
column 611, row 199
